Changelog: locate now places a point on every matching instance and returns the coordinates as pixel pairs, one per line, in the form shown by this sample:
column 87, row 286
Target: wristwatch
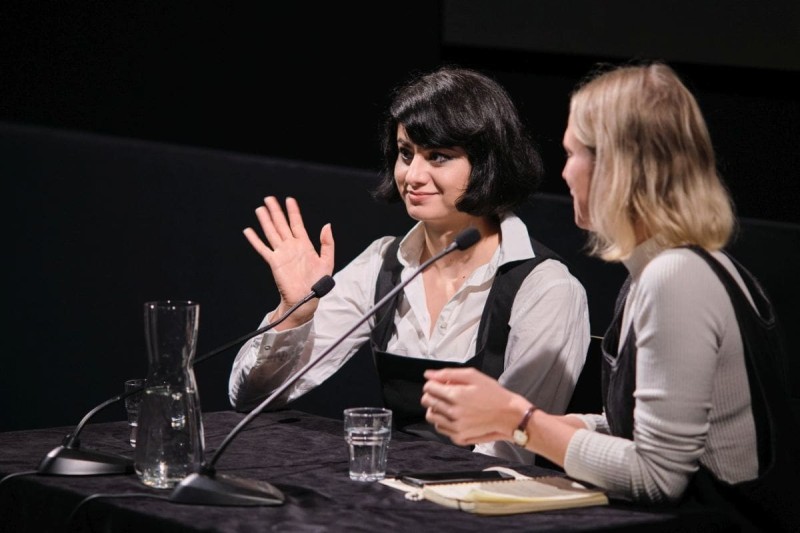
column 520, row 434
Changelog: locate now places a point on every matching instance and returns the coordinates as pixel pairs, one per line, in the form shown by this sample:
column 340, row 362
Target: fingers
column 257, row 244
column 285, row 246
column 439, row 410
column 435, row 415
column 445, row 386
column 278, row 218
column 267, row 226
column 457, row 406
column 439, row 407
column 279, row 226
column 326, row 249
column 452, row 375
column 273, row 221
column 461, row 432
column 296, row 227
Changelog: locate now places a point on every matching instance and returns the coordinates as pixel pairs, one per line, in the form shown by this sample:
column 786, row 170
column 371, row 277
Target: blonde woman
column 681, row 420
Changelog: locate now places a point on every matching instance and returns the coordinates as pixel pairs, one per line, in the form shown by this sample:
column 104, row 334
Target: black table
column 303, row 455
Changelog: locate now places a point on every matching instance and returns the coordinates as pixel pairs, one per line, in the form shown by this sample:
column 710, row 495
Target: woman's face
column 430, row 180
column 578, row 175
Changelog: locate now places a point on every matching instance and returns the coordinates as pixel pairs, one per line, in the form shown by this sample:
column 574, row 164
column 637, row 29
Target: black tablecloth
column 303, row 455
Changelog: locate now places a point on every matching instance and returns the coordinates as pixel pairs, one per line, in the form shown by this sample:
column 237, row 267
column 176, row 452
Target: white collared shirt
column 546, row 345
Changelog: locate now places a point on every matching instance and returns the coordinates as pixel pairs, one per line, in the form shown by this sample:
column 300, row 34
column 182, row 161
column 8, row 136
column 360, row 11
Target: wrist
column 293, row 320
column 520, row 434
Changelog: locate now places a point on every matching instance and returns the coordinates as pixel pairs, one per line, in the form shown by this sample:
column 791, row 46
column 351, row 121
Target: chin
column 414, row 213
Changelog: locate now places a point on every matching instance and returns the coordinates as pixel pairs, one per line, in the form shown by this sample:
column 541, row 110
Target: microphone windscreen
column 467, row 238
column 323, row 286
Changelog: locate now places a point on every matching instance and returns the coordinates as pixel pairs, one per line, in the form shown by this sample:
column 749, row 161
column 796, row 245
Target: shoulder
column 526, row 252
column 678, row 283
column 551, row 269
column 678, row 268
column 552, row 281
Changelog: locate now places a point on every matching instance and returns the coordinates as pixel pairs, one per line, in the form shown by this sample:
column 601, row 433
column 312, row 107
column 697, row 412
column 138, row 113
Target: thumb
column 326, row 251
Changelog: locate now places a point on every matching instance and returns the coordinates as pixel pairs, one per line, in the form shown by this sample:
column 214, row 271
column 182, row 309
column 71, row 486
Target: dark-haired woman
column 457, row 155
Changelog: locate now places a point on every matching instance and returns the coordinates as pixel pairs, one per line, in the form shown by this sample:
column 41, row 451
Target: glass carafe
column 170, row 437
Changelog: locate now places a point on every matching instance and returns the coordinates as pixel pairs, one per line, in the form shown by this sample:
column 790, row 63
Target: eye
column 439, row 157
column 404, row 154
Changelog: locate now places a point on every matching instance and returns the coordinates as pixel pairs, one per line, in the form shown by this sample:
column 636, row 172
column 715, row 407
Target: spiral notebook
column 510, row 496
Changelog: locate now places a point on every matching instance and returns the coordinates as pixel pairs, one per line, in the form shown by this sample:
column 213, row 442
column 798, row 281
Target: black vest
column 769, row 502
column 402, row 378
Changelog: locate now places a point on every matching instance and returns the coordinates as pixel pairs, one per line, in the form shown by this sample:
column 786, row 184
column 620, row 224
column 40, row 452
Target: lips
column 417, row 196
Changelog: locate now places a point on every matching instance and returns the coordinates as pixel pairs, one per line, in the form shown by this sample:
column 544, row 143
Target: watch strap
column 523, row 424
column 520, row 435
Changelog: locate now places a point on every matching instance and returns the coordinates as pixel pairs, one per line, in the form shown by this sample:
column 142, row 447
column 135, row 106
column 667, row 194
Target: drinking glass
column 367, row 431
column 132, row 403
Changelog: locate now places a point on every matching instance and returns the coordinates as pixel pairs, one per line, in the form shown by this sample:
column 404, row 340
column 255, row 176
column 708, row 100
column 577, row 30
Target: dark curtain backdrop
column 310, row 81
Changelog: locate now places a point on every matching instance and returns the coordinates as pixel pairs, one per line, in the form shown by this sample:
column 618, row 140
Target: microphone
column 208, row 487
column 70, row 460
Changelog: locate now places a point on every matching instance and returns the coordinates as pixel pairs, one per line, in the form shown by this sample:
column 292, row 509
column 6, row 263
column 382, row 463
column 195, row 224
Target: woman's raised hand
column 291, row 256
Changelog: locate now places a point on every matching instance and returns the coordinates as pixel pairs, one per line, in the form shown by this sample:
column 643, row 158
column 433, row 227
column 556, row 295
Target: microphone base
column 221, row 489
column 64, row 461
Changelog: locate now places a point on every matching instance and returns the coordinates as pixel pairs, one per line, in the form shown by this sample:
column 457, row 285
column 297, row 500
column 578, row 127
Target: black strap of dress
column 618, row 371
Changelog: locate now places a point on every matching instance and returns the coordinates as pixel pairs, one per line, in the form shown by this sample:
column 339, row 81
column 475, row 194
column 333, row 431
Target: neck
column 437, row 239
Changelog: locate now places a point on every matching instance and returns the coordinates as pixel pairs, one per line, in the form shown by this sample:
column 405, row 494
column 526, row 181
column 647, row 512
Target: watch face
column 520, row 437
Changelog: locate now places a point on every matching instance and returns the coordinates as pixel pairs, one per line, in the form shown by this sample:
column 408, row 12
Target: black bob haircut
column 458, row 107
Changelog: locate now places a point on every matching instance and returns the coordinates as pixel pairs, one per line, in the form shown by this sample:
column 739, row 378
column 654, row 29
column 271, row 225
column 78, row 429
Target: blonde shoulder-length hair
column 654, row 167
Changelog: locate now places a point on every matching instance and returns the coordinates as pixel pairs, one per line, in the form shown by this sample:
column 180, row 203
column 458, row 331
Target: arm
column 680, row 313
column 471, row 408
column 266, row 361
column 679, row 316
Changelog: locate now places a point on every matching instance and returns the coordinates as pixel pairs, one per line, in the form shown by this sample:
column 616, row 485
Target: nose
column 416, row 172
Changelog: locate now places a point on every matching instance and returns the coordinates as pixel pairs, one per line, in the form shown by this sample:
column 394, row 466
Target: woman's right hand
column 291, row 256
column 470, row 407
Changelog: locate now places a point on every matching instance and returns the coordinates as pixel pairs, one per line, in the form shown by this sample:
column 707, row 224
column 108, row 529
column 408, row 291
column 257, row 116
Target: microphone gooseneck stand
column 70, row 459
column 208, row 487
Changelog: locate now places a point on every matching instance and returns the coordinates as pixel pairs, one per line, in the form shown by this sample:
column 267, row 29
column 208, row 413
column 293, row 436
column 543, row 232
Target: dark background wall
column 309, row 83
